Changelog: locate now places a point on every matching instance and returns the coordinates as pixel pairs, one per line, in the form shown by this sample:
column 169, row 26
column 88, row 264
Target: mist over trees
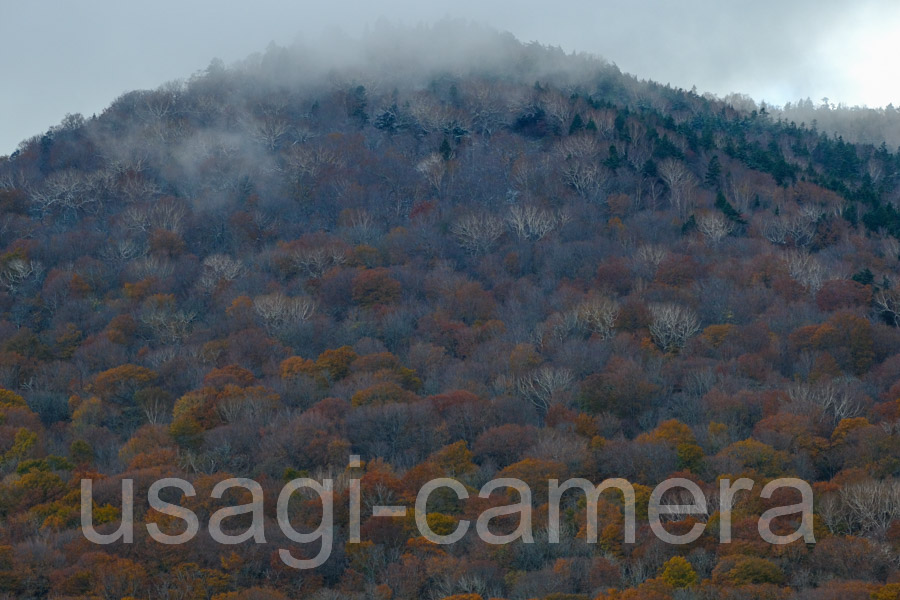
column 455, row 255
column 855, row 124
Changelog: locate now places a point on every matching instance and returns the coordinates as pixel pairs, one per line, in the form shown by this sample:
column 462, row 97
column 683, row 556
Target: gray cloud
column 63, row 57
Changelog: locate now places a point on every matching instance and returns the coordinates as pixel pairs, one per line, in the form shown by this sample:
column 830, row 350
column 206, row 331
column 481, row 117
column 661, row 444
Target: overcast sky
column 77, row 56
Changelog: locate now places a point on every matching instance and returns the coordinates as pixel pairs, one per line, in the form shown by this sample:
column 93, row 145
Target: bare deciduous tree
column 654, row 192
column 714, row 226
column 159, row 111
column 155, row 408
column 432, row 115
column 806, row 270
column 132, row 188
column 152, row 266
column 540, row 386
column 887, row 303
column 124, row 250
column 554, row 330
column 811, row 213
column 67, row 189
column 775, row 230
column 308, row 161
column 558, row 108
column 597, row 315
column 168, row 325
column 649, row 256
column 798, row 228
column 834, row 399
column 563, row 217
column 269, row 130
column 167, row 214
column 478, row 233
column 890, row 249
column 740, row 193
column 584, row 177
column 361, row 226
column 530, row 222
column 581, row 169
column 19, row 270
column 278, row 311
column 488, row 106
column 467, row 584
column 315, row 262
column 247, row 407
column 869, row 507
column 219, row 267
column 433, row 168
column 681, row 182
column 671, row 325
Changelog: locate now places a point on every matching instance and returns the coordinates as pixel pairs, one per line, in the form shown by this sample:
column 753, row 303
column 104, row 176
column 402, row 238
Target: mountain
column 454, row 255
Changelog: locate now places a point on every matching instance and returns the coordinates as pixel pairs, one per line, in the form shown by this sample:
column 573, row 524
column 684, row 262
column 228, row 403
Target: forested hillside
column 508, row 262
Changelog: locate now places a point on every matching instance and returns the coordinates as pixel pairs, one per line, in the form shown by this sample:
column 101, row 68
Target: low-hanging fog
column 77, row 57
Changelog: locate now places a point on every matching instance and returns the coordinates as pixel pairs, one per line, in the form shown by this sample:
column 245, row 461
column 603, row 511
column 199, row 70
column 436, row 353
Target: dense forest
column 496, row 261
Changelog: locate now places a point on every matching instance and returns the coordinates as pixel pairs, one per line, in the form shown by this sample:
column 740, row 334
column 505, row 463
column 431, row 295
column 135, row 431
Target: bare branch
column 278, row 311
column 478, row 234
column 672, row 325
column 714, row 226
column 540, row 386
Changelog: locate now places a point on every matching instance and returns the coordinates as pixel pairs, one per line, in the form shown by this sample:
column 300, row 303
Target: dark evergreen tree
column 730, row 211
column 357, row 103
column 577, row 125
column 445, row 150
column 614, row 161
column 864, row 277
column 713, row 171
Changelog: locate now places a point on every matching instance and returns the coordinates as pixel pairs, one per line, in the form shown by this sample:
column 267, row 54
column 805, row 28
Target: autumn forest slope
column 502, row 260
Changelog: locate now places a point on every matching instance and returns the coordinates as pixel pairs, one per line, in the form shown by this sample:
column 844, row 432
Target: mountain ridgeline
column 457, row 255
